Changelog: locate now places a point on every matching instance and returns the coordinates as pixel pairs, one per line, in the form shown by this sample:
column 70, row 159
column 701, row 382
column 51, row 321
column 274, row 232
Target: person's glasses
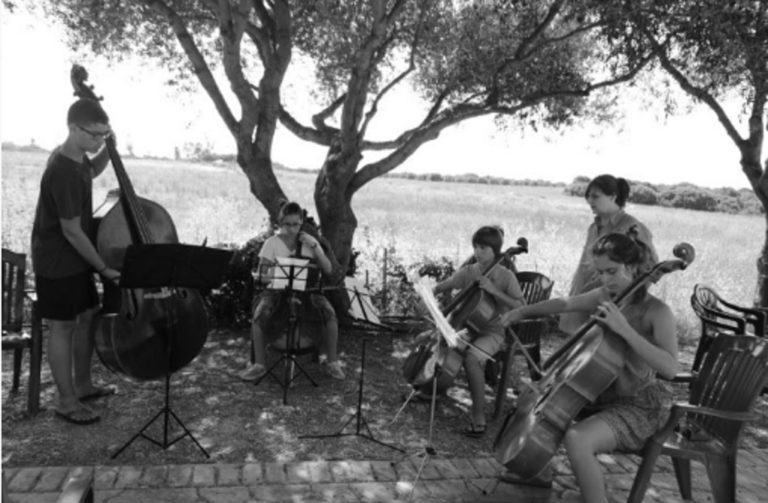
column 291, row 224
column 100, row 135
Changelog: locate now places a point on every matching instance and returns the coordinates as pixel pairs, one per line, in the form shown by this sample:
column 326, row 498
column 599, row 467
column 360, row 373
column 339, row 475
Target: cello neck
column 685, row 253
column 522, row 247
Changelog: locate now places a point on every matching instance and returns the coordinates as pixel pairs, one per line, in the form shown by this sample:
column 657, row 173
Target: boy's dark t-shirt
column 65, row 192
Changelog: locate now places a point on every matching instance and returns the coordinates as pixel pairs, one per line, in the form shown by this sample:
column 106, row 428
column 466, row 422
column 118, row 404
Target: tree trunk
column 334, row 208
column 261, row 179
column 751, row 152
column 761, row 299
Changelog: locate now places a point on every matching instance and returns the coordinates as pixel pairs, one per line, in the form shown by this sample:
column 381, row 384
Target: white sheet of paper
column 286, row 268
column 423, row 286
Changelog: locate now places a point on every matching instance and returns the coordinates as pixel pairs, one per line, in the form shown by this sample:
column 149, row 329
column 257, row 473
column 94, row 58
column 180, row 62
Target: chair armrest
column 680, row 377
column 716, row 313
column 687, row 408
column 755, row 317
column 679, row 409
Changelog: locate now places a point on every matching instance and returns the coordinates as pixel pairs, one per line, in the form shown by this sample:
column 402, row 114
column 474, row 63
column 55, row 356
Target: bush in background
column 231, row 304
column 683, row 195
column 690, row 197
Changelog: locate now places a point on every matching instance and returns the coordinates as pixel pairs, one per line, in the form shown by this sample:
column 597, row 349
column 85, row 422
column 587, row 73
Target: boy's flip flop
column 78, row 416
column 98, row 393
column 474, row 430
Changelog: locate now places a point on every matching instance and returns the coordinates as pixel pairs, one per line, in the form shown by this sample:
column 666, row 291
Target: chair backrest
column 706, row 305
column 535, row 286
column 732, row 375
column 718, row 312
column 14, row 277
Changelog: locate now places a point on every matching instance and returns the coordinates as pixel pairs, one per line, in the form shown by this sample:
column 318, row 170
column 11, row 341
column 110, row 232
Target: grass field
column 418, row 219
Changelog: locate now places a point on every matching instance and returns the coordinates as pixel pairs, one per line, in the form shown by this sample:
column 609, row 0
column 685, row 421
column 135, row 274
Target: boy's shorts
column 65, row 298
column 270, row 300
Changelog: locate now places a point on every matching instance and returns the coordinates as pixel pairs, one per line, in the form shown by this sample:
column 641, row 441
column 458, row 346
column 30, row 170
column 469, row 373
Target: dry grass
column 419, row 219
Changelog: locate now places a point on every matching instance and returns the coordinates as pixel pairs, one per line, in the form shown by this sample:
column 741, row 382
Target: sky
column 154, row 119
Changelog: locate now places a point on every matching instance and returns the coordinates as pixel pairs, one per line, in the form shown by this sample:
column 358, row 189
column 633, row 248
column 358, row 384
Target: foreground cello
column 576, row 375
column 142, row 333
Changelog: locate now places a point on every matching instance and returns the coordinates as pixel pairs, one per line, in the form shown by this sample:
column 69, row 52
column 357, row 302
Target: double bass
column 576, row 374
column 470, row 310
column 142, row 333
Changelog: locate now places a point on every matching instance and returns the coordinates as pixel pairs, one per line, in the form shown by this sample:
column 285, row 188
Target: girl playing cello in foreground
column 636, row 404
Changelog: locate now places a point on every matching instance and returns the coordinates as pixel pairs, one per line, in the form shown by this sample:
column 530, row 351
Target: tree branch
column 231, row 29
column 199, row 65
column 361, row 75
column 320, row 137
column 692, row 89
column 319, row 118
column 554, row 10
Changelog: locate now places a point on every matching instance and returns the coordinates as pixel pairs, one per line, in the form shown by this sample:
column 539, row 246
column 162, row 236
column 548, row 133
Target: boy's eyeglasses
column 291, row 224
column 94, row 134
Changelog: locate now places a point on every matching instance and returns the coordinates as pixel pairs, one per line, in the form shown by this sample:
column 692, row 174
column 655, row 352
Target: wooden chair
column 708, row 426
column 717, row 315
column 536, row 287
column 19, row 334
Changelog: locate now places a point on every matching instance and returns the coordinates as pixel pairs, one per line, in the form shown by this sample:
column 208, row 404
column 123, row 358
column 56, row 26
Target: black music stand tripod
column 170, row 266
column 292, row 274
column 357, row 415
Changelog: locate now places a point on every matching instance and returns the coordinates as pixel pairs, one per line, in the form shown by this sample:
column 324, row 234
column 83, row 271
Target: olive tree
column 535, row 61
column 717, row 51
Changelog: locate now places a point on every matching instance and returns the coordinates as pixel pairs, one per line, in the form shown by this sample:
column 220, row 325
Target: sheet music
column 423, row 286
column 287, row 267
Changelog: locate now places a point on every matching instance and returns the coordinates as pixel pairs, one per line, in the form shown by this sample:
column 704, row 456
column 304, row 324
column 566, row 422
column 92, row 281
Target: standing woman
column 607, row 196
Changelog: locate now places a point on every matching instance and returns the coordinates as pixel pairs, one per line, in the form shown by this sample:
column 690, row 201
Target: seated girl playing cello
column 502, row 286
column 636, row 404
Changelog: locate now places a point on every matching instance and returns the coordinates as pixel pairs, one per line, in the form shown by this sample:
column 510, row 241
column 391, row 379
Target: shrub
column 230, row 305
column 690, row 197
column 727, row 204
column 578, row 189
column 641, row 193
column 396, row 297
column 750, row 204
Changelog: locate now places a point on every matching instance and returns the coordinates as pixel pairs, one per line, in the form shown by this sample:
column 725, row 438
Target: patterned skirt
column 635, row 418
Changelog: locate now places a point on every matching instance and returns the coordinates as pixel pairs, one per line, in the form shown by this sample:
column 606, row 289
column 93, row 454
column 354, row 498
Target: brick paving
column 442, row 480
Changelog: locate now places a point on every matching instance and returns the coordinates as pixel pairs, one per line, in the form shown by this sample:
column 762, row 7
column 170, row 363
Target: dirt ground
column 239, row 422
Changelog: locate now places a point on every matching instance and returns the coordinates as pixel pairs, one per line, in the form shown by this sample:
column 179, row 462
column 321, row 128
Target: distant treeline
column 474, row 178
column 684, row 195
column 681, row 195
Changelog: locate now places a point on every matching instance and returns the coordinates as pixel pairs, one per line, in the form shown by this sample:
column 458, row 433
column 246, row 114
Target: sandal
column 78, row 416
column 474, row 430
column 97, row 393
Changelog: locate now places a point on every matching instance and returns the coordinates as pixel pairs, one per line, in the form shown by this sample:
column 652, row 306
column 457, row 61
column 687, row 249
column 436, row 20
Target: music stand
column 361, row 301
column 357, row 415
column 171, row 266
column 429, row 449
column 291, row 275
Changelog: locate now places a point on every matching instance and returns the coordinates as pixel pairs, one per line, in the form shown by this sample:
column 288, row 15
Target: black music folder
column 187, row 266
